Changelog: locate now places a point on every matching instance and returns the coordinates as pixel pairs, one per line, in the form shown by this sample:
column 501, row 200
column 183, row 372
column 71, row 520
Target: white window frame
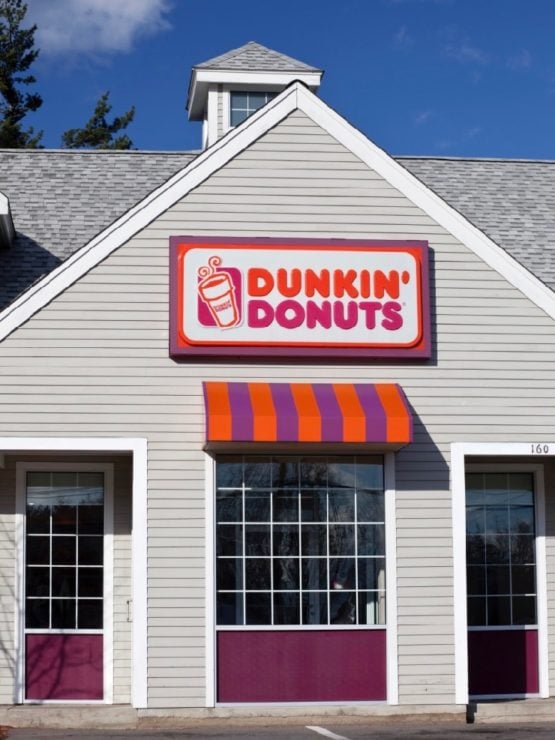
column 459, row 452
column 390, row 625
column 226, row 99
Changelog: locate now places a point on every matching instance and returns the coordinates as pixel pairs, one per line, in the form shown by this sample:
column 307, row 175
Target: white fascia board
column 440, row 211
column 222, row 77
column 7, row 230
column 147, row 210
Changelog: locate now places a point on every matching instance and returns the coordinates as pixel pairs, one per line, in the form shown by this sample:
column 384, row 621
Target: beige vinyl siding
column 122, row 569
column 99, row 366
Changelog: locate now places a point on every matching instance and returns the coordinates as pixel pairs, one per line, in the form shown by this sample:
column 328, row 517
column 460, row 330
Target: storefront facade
column 329, row 484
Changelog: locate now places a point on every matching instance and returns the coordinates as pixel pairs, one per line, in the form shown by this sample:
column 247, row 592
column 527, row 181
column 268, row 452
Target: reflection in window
column 300, row 540
column 500, row 549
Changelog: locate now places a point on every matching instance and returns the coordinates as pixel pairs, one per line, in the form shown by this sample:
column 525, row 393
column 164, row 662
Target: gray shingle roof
column 257, row 58
column 61, row 199
column 512, row 201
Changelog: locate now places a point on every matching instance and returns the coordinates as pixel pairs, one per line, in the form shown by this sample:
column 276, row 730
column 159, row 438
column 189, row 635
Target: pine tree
column 17, row 54
column 97, row 133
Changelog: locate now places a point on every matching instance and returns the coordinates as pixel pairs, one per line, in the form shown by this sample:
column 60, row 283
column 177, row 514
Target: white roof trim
column 7, row 230
column 295, row 97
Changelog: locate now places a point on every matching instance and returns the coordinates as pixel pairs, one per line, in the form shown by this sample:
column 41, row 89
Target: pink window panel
column 503, row 662
column 301, row 666
column 64, row 667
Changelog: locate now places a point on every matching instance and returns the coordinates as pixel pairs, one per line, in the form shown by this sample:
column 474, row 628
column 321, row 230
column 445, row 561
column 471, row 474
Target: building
column 276, row 417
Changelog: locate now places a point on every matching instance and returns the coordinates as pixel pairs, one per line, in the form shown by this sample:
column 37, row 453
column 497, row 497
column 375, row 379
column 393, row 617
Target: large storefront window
column 300, row 540
column 501, row 559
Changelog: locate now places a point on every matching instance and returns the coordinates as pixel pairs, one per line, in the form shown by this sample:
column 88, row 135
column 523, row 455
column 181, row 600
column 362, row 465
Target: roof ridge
column 517, row 160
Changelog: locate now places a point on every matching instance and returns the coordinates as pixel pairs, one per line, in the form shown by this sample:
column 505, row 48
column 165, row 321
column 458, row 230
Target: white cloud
column 423, row 117
column 521, row 60
column 402, row 38
column 465, row 52
column 95, row 26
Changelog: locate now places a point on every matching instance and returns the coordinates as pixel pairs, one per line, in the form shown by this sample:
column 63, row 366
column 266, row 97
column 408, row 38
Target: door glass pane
column 64, row 532
column 500, row 549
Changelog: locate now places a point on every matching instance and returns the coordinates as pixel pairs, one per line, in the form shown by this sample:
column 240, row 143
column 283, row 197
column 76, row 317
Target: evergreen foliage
column 17, row 54
column 98, row 133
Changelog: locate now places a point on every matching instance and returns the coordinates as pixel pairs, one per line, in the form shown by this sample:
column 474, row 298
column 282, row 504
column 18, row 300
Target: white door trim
column 139, row 449
column 535, row 452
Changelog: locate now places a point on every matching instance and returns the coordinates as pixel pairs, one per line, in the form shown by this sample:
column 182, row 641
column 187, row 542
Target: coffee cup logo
column 217, row 291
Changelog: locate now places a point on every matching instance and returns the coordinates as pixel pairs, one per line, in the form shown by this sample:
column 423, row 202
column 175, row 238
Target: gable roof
column 252, row 56
column 202, row 166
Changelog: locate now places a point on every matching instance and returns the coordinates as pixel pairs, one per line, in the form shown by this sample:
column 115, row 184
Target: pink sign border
column 177, row 351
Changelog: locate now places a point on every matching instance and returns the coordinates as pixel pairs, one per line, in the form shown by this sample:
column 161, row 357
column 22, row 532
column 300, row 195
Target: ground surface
column 331, row 730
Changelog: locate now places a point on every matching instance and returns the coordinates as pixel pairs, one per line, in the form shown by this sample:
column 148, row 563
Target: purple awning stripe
column 286, row 412
column 330, row 412
column 376, row 422
column 242, row 429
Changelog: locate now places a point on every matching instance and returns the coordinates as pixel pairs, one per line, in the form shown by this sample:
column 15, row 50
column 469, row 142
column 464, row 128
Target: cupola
column 227, row 89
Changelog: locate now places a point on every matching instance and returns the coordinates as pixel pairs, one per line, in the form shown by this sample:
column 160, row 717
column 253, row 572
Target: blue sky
column 422, row 77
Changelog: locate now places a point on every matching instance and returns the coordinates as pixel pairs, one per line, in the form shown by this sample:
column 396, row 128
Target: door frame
column 534, row 452
column 22, row 468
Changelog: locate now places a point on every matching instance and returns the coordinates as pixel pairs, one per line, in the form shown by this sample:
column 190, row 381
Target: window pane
column 63, row 581
column 341, row 472
column 259, row 608
column 257, row 506
column 524, row 579
column 63, row 550
column 90, row 614
column 37, row 613
column 475, row 549
column 314, row 539
column 63, row 614
column 229, row 506
column 314, row 472
column 524, row 610
column 371, row 607
column 342, row 505
column 286, row 506
column 91, row 550
column 314, row 574
column 476, row 611
column 521, row 488
column 286, row 574
column 522, row 519
column 229, row 472
column 497, row 520
column 370, row 506
column 230, row 574
column 257, row 575
column 38, row 550
column 91, row 519
column 230, row 608
column 371, row 539
column 497, row 549
column 342, row 607
column 286, row 539
column 258, row 472
column 256, row 99
column 229, row 539
column 475, row 580
column 475, row 520
column 257, row 539
column 64, row 519
column 286, row 608
column 499, row 610
column 90, row 582
column 315, row 608
column 313, row 506
column 342, row 539
column 498, row 580
column 92, row 488
column 369, row 472
column 371, row 573
column 495, row 489
column 38, row 519
column 522, row 549
column 237, row 117
column 475, row 489
column 285, row 472
column 37, row 582
column 238, row 100
column 342, row 573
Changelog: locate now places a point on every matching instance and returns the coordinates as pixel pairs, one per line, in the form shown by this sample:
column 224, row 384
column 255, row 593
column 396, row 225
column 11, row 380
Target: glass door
column 64, row 585
column 501, row 584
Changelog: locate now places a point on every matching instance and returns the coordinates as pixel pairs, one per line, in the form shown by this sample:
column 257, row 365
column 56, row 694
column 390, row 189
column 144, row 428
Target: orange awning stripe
column 398, row 420
column 264, row 414
column 354, row 418
column 310, row 421
column 218, row 412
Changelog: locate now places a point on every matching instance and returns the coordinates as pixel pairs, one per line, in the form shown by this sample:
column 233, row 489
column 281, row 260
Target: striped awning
column 307, row 412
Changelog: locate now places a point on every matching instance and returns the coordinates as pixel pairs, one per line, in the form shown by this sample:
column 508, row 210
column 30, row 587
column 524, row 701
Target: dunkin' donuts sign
column 301, row 297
